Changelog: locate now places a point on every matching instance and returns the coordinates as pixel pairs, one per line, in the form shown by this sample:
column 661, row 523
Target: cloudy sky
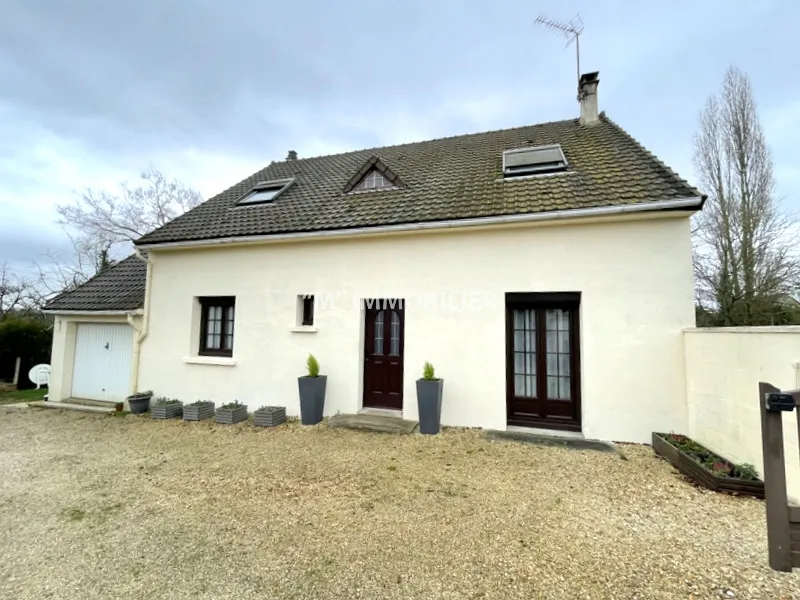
column 92, row 91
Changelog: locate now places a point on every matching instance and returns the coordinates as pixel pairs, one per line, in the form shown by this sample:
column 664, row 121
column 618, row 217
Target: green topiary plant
column 428, row 372
column 313, row 366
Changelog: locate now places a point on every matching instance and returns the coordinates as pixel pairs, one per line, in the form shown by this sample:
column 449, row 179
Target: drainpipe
column 141, row 332
column 796, row 365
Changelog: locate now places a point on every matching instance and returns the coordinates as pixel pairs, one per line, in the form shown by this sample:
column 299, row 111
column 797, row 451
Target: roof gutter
column 93, row 313
column 692, row 203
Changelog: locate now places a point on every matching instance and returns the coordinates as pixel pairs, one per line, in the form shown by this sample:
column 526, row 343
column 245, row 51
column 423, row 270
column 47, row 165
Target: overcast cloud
column 92, row 91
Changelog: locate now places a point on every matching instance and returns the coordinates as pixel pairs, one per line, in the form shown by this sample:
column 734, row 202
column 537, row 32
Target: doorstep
column 81, row 401
column 572, row 435
column 373, row 422
column 382, row 412
column 72, row 406
column 546, row 437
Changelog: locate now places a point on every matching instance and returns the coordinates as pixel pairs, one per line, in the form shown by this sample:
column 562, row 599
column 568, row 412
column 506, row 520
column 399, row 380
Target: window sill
column 304, row 329
column 218, row 361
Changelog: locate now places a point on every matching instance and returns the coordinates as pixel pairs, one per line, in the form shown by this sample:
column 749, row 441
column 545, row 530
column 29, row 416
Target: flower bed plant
column 231, row 413
column 707, row 468
column 166, row 408
column 197, row 411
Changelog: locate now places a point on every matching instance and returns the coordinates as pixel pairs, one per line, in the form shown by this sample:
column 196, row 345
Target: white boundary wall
column 723, row 368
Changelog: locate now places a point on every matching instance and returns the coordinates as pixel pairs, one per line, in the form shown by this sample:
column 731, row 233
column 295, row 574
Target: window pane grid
column 394, row 341
column 218, row 327
column 558, row 354
column 373, row 181
column 524, row 322
column 378, row 335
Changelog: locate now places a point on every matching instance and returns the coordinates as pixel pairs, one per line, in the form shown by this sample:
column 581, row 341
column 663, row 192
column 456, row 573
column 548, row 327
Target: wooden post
column 778, row 537
column 17, row 366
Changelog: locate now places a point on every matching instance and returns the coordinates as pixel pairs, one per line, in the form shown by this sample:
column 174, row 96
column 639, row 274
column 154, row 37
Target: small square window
column 305, row 310
column 216, row 325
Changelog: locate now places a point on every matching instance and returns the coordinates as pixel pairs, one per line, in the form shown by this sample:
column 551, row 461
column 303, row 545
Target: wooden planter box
column 198, row 411
column 692, row 469
column 269, row 416
column 229, row 416
column 664, row 449
column 166, row 411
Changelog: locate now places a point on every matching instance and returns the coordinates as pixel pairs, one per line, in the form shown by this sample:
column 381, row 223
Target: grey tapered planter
column 229, row 416
column 269, row 416
column 197, row 411
column 429, row 402
column 166, row 411
column 139, row 403
column 312, row 398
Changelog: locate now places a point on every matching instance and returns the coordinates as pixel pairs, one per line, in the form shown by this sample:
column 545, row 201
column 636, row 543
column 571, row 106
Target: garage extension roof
column 119, row 288
column 442, row 180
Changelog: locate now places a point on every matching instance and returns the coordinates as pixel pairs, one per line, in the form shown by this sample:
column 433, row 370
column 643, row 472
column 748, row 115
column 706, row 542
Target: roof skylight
column 533, row 160
column 265, row 191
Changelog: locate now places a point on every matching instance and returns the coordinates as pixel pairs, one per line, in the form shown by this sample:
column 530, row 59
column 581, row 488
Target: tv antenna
column 571, row 29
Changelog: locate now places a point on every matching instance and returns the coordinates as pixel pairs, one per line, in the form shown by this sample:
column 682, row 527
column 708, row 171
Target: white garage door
column 102, row 367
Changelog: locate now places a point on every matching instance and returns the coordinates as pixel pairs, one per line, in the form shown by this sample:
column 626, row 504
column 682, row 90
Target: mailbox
column 780, row 402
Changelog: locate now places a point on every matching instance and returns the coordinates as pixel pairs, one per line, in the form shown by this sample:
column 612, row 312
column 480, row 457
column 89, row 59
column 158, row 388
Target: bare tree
column 101, row 224
column 14, row 291
column 123, row 216
column 64, row 271
column 743, row 259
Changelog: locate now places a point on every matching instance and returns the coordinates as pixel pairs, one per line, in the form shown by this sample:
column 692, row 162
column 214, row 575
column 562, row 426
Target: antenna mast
column 571, row 29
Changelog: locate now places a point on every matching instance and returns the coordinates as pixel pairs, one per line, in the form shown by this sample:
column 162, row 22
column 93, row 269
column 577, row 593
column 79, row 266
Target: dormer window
column 373, row 181
column 533, row 161
column 373, row 176
column 265, row 191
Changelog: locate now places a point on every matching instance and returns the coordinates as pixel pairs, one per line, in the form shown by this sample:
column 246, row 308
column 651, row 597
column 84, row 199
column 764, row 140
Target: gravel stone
column 98, row 507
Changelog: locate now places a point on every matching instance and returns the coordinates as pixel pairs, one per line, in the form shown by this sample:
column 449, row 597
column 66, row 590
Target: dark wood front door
column 543, row 360
column 383, row 353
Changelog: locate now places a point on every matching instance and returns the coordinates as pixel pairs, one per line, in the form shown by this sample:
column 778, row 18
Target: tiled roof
column 445, row 179
column 119, row 288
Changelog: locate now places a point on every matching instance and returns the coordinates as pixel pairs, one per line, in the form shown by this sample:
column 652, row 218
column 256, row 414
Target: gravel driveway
column 103, row 507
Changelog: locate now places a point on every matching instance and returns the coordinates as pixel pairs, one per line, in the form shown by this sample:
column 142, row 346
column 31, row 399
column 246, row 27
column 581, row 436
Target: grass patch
column 74, row 514
column 14, row 396
column 96, row 516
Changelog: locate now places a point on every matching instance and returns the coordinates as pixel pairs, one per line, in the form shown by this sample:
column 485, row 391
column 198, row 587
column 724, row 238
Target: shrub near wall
column 27, row 337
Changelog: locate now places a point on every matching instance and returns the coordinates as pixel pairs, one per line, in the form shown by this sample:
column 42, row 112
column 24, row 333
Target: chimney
column 293, row 154
column 587, row 96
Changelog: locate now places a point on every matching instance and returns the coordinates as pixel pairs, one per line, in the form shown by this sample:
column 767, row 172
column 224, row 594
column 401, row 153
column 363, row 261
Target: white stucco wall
column 62, row 354
column 723, row 368
column 635, row 278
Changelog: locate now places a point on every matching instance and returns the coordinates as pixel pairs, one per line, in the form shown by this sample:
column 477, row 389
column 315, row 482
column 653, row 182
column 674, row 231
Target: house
column 545, row 271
